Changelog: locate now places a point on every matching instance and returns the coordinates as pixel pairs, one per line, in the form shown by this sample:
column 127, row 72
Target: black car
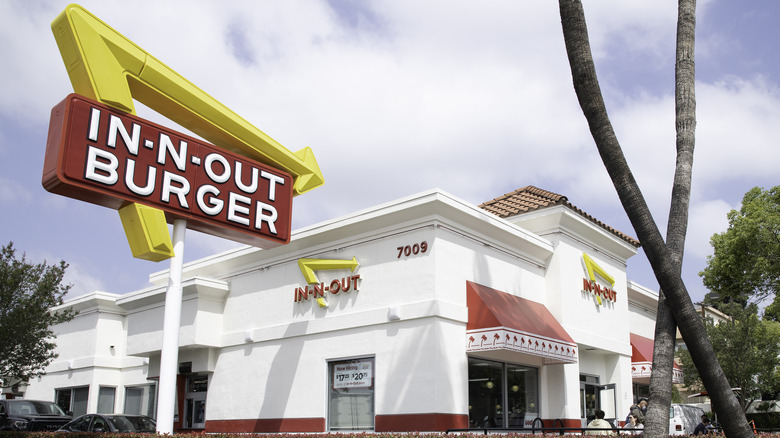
column 114, row 423
column 20, row 414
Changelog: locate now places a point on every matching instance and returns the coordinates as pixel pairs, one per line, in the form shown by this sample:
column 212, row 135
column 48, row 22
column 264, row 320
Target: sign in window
column 353, row 375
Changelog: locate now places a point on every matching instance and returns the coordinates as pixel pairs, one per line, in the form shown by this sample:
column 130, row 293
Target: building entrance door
column 195, row 402
column 590, row 398
column 503, row 395
column 608, row 402
column 594, row 396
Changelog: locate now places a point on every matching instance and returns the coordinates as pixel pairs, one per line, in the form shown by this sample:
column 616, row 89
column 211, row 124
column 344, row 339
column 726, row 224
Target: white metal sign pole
column 169, row 355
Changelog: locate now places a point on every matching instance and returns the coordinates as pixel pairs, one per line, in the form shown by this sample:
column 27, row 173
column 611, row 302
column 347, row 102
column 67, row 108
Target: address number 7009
column 417, row 248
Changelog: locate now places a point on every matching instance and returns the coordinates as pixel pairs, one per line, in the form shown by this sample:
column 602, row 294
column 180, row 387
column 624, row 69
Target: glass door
column 590, row 398
column 195, row 402
column 608, row 402
column 486, row 393
column 502, row 394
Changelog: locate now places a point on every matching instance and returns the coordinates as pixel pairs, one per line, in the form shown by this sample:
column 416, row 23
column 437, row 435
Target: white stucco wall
column 643, row 305
column 86, row 356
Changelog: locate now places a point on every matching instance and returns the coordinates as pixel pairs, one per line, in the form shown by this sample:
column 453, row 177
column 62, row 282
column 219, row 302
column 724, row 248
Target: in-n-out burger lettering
column 103, row 156
column 315, row 291
column 589, row 285
column 599, row 290
column 102, row 167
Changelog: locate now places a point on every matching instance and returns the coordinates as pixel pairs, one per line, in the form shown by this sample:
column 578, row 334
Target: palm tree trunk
column 657, row 420
column 588, row 92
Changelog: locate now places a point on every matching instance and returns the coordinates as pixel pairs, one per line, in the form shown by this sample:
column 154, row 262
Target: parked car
column 32, row 415
column 114, row 423
column 684, row 418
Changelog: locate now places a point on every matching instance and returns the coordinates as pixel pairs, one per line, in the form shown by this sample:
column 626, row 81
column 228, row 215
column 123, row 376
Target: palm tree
column 665, row 265
column 657, row 423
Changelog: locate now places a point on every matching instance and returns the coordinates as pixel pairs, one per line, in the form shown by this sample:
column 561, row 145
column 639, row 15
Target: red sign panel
column 97, row 154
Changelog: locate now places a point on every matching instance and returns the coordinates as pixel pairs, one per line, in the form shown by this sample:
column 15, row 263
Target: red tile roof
column 530, row 198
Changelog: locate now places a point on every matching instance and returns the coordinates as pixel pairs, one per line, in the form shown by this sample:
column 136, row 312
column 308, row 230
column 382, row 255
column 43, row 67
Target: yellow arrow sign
column 107, row 67
column 594, row 269
column 308, row 266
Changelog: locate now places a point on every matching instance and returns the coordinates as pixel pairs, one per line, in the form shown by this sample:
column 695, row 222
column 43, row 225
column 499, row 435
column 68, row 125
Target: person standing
column 639, row 409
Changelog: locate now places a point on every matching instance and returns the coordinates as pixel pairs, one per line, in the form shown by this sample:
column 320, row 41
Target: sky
column 398, row 97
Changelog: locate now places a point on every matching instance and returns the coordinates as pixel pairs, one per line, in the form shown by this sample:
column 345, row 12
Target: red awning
column 642, row 359
column 500, row 321
column 641, row 349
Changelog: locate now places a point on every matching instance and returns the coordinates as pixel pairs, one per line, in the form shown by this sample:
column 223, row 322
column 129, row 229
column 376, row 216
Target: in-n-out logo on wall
column 316, row 289
column 594, row 284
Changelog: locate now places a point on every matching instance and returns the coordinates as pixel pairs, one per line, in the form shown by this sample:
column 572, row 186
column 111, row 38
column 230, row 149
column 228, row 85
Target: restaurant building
column 422, row 314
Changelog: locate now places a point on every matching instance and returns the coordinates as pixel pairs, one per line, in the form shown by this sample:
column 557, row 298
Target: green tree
column 745, row 264
column 28, row 292
column 772, row 311
column 748, row 350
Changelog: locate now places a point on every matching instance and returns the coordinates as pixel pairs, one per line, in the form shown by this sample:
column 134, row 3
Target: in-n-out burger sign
column 100, row 155
column 590, row 286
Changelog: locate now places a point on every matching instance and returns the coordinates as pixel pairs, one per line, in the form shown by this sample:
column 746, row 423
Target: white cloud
column 706, row 218
column 646, row 131
column 402, row 96
column 738, row 129
column 82, row 281
column 32, row 71
column 648, row 28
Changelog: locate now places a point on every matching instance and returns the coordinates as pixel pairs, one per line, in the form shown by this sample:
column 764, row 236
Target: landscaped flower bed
column 18, row 434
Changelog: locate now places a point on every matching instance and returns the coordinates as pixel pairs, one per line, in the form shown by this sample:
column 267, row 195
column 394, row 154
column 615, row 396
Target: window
column 73, row 400
column 502, row 395
column 351, row 394
column 106, row 397
column 81, row 425
column 141, row 400
column 99, row 425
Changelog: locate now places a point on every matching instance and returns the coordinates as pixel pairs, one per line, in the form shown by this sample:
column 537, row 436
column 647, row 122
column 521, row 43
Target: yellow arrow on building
column 308, row 266
column 106, row 66
column 593, row 269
